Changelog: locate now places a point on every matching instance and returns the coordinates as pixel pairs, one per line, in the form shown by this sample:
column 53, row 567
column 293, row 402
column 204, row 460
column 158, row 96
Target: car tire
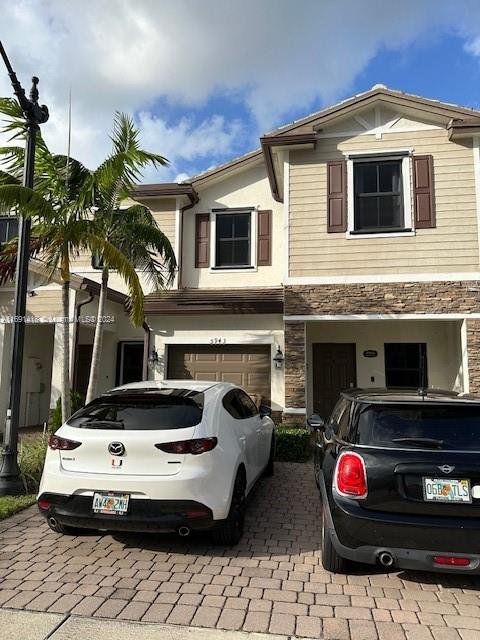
column 229, row 532
column 331, row 560
column 270, row 468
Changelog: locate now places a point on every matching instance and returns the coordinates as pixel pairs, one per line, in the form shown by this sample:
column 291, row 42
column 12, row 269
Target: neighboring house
column 347, row 244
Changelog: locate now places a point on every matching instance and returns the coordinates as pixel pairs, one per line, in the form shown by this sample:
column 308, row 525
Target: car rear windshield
column 420, row 426
column 146, row 411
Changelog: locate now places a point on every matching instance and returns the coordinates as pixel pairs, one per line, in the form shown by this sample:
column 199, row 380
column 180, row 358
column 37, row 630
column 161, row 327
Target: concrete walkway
column 28, row 625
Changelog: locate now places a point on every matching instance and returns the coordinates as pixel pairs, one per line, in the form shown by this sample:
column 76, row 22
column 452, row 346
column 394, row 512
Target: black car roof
column 380, row 396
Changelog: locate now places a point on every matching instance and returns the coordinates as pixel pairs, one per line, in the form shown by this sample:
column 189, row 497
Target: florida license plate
column 115, row 504
column 445, row 490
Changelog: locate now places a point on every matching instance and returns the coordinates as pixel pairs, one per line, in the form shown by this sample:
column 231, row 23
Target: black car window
column 337, row 414
column 142, row 411
column 249, row 407
column 344, row 421
column 233, row 404
column 420, row 426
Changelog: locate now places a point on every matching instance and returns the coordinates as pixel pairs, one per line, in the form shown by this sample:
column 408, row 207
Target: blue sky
column 204, row 78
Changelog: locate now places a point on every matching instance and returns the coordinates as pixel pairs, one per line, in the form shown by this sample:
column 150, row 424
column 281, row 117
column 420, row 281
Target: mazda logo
column 446, row 468
column 116, row 448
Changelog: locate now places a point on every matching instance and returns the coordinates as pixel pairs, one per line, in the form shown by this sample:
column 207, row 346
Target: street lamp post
column 35, row 114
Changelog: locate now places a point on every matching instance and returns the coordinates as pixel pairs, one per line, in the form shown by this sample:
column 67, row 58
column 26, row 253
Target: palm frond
column 29, row 202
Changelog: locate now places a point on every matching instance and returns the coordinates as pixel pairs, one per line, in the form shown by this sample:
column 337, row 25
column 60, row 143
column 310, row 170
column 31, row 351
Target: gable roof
column 459, row 120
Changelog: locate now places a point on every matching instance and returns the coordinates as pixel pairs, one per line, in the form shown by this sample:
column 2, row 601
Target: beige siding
column 47, row 304
column 450, row 247
column 163, row 211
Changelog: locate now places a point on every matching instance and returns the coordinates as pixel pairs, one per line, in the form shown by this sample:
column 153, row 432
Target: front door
column 334, row 369
column 129, row 362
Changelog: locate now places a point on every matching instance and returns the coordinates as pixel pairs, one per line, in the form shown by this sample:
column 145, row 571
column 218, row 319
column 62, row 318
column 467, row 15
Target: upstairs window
column 8, row 229
column 233, row 240
column 378, row 196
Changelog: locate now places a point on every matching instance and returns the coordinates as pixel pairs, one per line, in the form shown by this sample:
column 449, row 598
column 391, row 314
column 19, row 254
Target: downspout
column 78, row 306
column 193, row 201
column 146, row 350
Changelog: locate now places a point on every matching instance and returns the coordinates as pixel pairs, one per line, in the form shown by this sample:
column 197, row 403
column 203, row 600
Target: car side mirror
column 316, row 423
column 264, row 410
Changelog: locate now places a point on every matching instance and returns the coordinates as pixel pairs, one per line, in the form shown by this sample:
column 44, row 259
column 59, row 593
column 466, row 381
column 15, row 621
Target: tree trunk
column 98, row 340
column 65, row 390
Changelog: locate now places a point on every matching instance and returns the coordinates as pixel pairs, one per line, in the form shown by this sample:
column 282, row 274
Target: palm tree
column 132, row 231
column 62, row 226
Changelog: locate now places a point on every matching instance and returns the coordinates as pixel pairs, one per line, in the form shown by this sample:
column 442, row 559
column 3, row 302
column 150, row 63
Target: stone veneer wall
column 473, row 350
column 381, row 298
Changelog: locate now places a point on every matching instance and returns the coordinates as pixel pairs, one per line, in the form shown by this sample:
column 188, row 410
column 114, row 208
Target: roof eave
column 268, row 142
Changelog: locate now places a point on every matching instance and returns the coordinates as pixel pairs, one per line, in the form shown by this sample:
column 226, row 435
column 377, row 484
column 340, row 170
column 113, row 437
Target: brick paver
column 273, row 581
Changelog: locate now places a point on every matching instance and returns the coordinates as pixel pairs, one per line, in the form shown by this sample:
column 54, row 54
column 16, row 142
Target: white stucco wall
column 239, row 329
column 247, row 188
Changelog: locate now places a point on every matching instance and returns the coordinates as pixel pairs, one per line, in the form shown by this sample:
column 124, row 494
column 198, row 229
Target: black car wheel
column 331, row 560
column 230, row 531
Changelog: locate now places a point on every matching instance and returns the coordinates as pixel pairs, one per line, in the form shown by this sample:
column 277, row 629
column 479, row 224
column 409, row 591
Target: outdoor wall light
column 153, row 359
column 278, row 358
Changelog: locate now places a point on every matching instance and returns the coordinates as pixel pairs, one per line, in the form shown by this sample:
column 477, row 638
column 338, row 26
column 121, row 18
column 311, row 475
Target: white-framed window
column 379, row 202
column 233, row 239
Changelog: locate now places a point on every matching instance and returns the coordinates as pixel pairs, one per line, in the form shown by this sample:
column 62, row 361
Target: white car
column 158, row 456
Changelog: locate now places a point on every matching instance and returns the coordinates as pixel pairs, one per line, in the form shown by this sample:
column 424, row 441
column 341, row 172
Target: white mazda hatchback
column 158, row 456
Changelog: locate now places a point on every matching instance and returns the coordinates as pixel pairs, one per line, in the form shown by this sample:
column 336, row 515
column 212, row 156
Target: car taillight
column 44, row 504
column 195, row 446
column 351, row 476
column 451, row 561
column 62, row 444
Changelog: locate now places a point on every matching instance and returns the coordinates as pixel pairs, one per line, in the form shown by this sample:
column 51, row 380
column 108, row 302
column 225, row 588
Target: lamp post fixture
column 35, row 114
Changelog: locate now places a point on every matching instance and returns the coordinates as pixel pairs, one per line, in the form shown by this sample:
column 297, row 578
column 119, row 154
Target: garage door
column 247, row 366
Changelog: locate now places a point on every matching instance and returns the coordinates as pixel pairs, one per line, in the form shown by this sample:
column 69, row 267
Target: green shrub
column 292, row 444
column 56, row 421
column 31, row 458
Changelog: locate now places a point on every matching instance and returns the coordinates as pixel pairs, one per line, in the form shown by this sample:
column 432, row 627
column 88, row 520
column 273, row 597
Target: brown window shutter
column 202, row 240
column 264, row 246
column 423, row 192
column 337, row 196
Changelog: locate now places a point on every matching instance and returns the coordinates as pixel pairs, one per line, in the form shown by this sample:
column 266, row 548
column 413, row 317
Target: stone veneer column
column 294, row 371
column 473, row 349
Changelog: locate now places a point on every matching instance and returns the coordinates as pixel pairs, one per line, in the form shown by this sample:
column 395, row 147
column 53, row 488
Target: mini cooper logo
column 116, row 449
column 446, row 468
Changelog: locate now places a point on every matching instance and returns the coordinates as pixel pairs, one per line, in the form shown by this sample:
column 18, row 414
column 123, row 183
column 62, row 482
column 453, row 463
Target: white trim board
column 387, row 277
column 382, row 316
column 230, row 339
column 476, row 168
column 286, row 213
column 295, row 410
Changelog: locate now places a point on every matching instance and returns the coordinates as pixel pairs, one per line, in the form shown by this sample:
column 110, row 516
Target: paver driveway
column 273, row 581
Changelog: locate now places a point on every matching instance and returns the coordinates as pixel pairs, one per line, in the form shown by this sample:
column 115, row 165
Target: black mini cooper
column 399, row 475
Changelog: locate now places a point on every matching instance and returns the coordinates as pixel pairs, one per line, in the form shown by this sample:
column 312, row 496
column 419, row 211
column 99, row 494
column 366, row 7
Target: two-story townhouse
column 343, row 252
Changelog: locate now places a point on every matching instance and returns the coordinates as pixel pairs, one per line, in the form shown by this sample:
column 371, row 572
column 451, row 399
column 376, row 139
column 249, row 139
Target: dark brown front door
column 334, row 369
column 84, row 360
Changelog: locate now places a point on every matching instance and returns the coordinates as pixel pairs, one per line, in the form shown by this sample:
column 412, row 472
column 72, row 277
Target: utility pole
column 35, row 114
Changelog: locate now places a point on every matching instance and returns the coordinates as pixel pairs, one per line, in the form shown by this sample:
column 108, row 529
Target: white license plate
column 115, row 504
column 446, row 490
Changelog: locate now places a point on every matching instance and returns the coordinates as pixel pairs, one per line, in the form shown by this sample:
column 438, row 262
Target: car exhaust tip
column 386, row 559
column 52, row 521
column 183, row 531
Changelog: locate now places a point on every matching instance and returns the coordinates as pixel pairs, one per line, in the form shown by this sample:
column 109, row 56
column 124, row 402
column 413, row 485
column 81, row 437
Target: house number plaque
column 370, row 353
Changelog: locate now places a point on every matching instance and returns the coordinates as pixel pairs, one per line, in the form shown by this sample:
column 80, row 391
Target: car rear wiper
column 426, row 442
column 105, row 424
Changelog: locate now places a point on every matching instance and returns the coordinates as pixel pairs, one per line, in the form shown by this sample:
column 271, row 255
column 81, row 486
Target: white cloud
column 271, row 55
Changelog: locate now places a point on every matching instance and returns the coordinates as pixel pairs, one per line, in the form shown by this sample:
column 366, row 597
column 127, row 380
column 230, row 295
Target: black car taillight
column 62, row 444
column 195, row 446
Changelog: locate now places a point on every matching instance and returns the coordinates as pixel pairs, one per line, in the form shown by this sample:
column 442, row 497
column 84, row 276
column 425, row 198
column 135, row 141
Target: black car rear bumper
column 142, row 515
column 362, row 536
